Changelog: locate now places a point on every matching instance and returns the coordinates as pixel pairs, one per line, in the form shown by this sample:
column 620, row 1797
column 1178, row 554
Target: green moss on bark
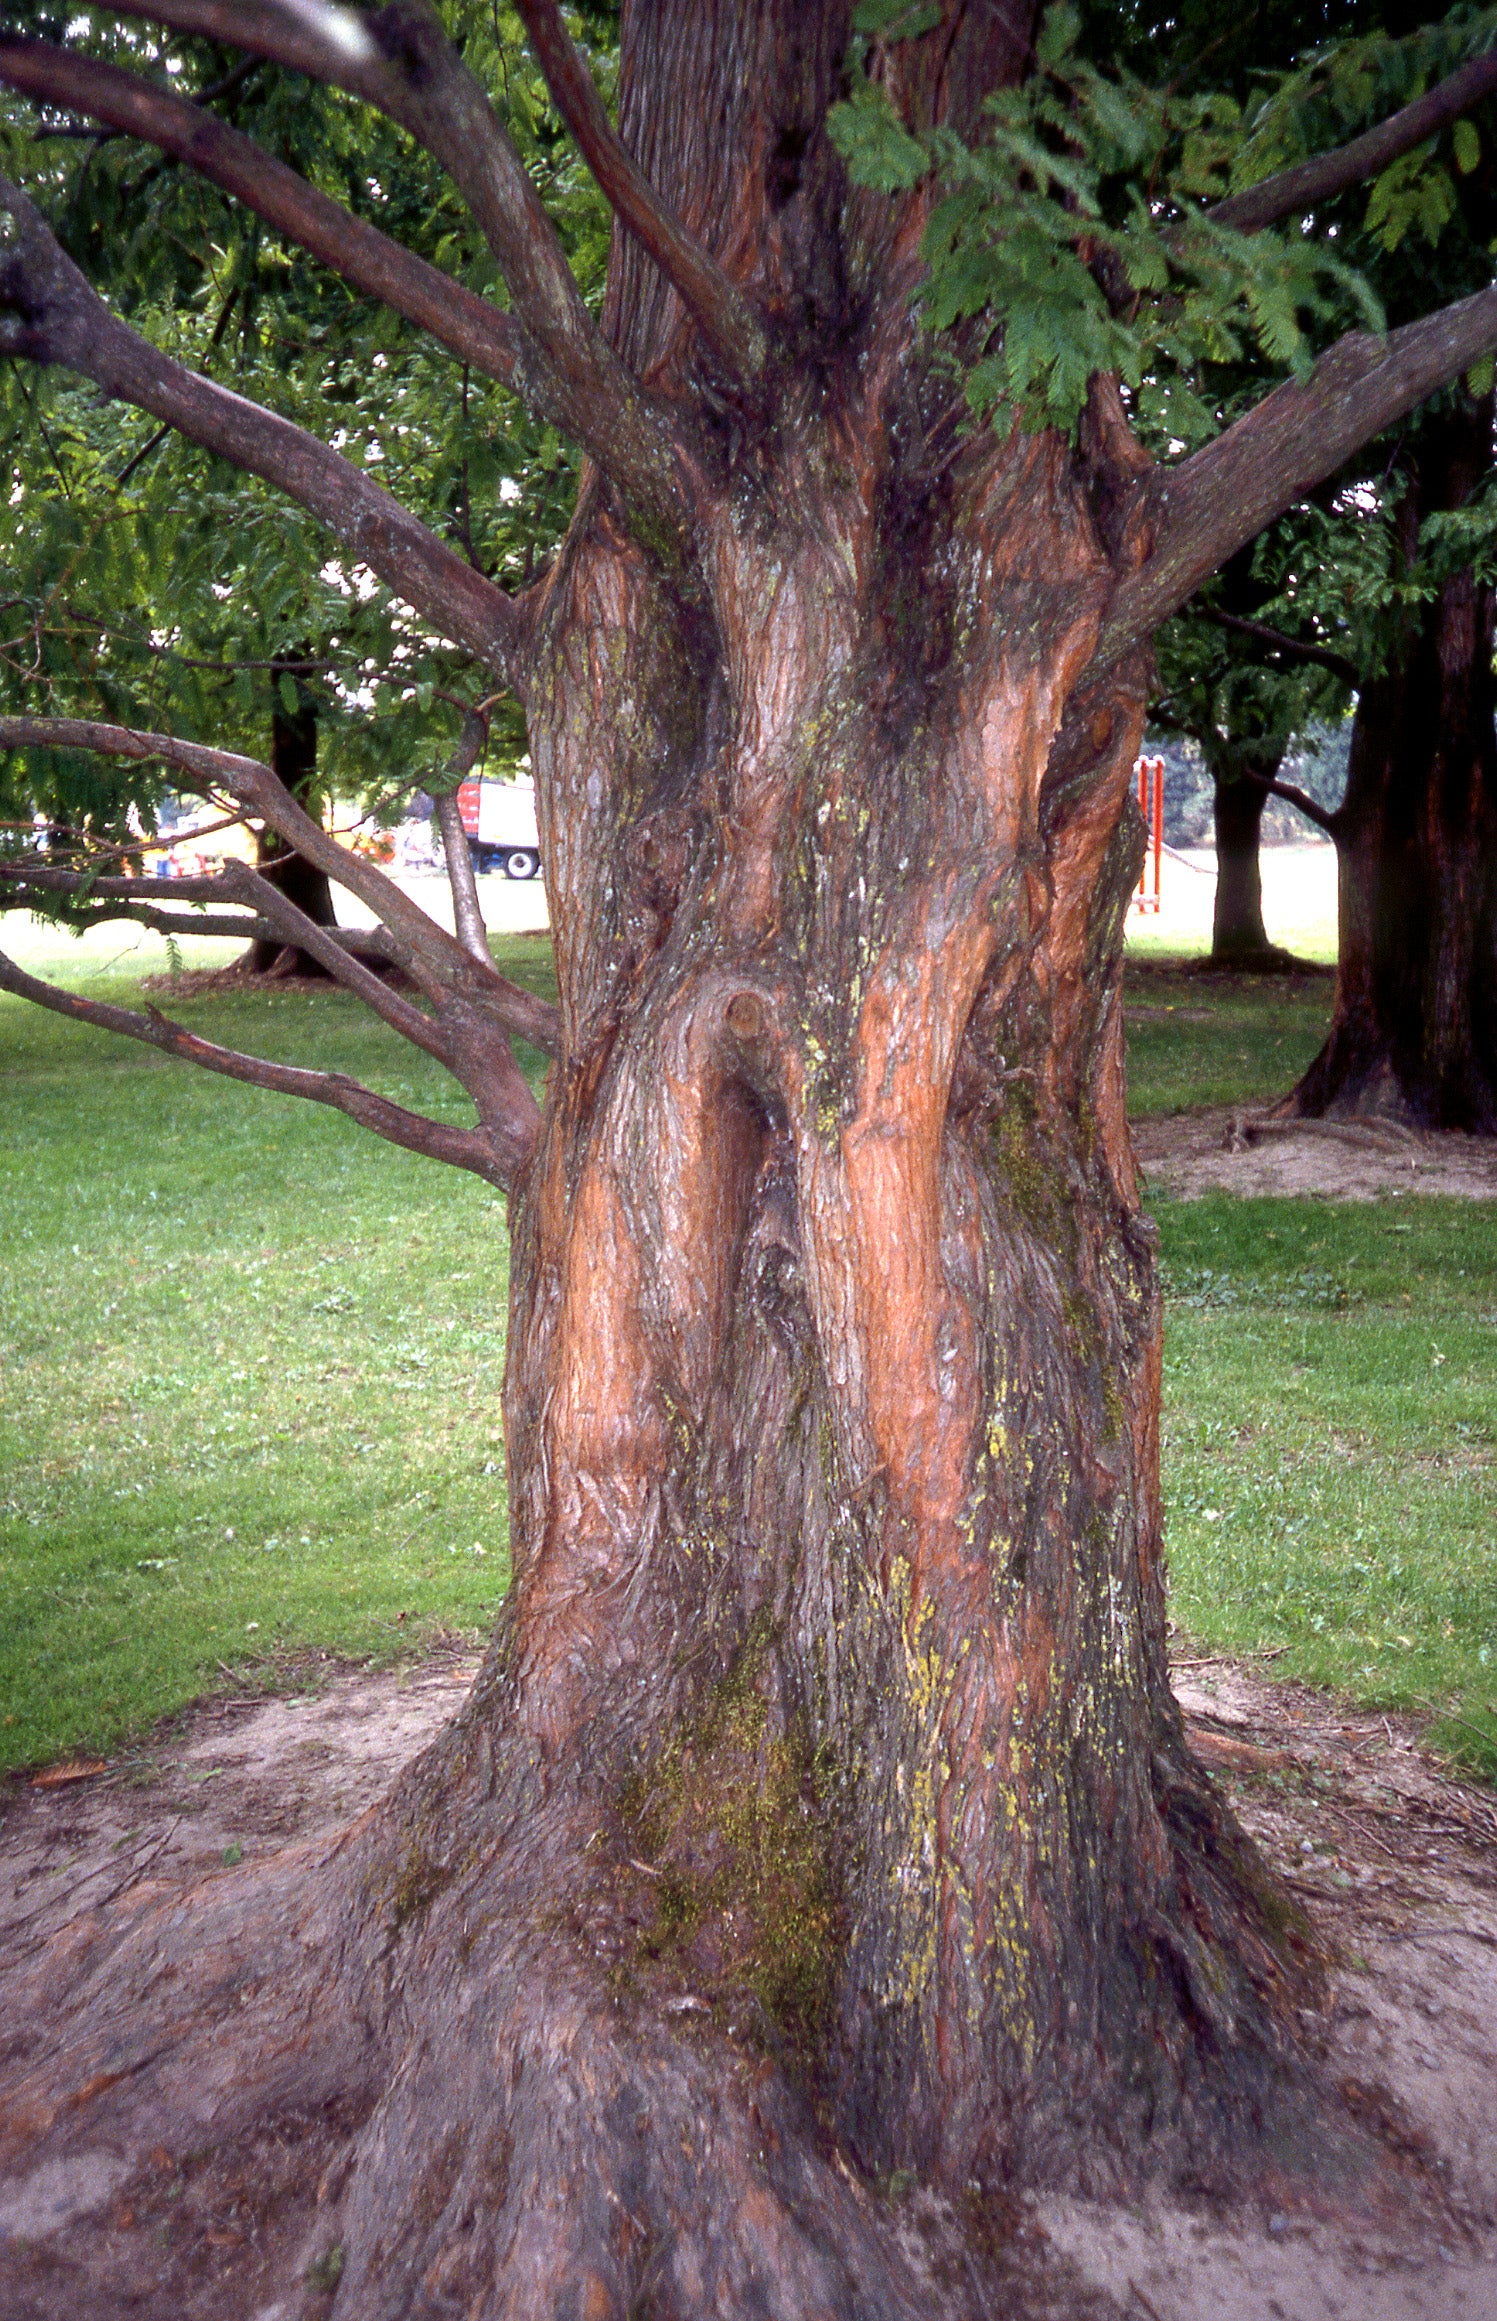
column 730, row 1822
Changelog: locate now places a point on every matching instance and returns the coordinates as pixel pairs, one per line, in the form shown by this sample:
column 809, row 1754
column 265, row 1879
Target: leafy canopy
column 1073, row 234
column 147, row 582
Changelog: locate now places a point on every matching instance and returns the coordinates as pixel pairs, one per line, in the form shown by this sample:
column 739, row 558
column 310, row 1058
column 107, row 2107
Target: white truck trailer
column 499, row 822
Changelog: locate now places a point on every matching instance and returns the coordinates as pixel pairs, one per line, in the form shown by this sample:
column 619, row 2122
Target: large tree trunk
column 293, row 756
column 822, row 1811
column 1414, row 1030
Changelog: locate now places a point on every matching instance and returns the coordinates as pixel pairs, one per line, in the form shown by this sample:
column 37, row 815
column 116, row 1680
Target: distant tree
column 1413, row 1032
column 1245, row 694
column 1383, row 582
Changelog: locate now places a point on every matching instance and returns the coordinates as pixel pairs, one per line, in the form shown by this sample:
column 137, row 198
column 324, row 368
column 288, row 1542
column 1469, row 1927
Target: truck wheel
column 522, row 863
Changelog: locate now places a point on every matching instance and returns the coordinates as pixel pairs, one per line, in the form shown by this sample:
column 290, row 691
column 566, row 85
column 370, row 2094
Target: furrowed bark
column 726, row 319
column 822, row 1811
column 49, row 314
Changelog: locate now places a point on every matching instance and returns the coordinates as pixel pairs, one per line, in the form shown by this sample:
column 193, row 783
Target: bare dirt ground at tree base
column 1230, row 1149
column 1395, row 1860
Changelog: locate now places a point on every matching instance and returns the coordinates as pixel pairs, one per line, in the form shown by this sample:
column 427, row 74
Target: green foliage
column 148, row 582
column 1073, row 234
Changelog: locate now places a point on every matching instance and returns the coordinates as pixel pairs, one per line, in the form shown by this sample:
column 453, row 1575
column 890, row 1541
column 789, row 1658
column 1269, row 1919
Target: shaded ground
column 1396, row 1860
column 1235, row 1149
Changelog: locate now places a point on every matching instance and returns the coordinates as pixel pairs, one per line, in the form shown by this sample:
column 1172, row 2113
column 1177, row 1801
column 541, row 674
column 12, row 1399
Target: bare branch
column 467, row 911
column 55, row 317
column 159, row 922
column 463, row 1148
column 1327, row 174
column 239, row 927
column 401, row 62
column 1216, row 501
column 467, row 325
column 1276, row 641
column 277, row 916
column 726, row 318
column 1322, row 816
column 433, row 956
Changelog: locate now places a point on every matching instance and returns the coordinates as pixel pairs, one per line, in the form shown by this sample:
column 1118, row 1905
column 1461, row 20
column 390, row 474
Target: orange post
column 1151, row 806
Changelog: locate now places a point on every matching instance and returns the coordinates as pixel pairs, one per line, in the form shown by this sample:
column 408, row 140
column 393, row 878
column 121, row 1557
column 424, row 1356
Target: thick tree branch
column 1323, row 816
column 1327, row 174
column 1213, row 503
column 49, row 313
column 467, row 325
column 462, row 1148
column 726, row 318
column 401, row 62
column 1276, row 641
column 434, row 957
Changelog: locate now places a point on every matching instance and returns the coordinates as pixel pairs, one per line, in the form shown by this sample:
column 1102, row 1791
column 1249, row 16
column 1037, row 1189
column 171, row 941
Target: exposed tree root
column 450, row 2066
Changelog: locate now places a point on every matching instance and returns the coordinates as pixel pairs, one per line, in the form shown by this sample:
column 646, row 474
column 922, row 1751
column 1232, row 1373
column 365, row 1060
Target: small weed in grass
column 1330, row 1446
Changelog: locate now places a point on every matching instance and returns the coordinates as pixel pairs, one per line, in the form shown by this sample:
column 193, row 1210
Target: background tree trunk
column 1238, row 935
column 293, row 756
column 1414, row 1031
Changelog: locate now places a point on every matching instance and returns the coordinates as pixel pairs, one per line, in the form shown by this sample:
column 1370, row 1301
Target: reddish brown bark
column 1414, row 1029
column 822, row 1811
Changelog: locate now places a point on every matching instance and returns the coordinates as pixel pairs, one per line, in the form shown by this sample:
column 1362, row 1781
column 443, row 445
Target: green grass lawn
column 250, row 1365
column 1330, row 1429
column 1208, row 1039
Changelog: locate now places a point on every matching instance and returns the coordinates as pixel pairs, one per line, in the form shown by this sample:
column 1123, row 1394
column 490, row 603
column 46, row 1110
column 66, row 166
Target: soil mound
column 1395, row 1860
column 1228, row 1149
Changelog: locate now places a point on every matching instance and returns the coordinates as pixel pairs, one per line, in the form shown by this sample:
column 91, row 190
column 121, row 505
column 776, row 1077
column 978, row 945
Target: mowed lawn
column 250, row 1366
